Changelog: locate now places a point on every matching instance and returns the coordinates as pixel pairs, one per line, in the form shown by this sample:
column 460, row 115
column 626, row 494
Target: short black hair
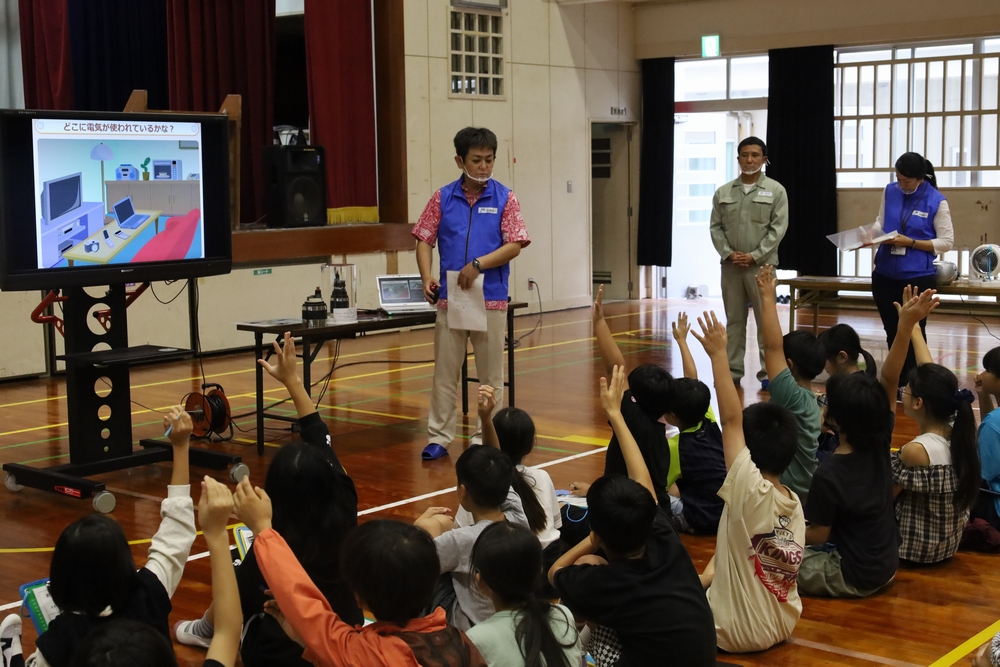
column 92, row 567
column 621, row 513
column 991, row 361
column 801, row 347
column 474, row 137
column 859, row 407
column 393, row 567
column 771, row 434
column 486, row 473
column 689, row 401
column 752, row 141
column 124, row 643
column 651, row 387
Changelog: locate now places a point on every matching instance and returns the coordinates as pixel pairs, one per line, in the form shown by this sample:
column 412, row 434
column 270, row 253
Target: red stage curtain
column 342, row 104
column 45, row 54
column 220, row 47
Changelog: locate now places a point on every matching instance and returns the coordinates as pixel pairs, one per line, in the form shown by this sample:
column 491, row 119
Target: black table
column 314, row 338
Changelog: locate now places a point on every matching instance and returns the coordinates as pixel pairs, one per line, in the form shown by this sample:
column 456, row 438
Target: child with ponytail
column 842, row 347
column 936, row 475
column 507, row 562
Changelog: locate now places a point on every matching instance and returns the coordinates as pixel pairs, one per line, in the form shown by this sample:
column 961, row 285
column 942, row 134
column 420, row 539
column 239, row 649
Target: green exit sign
column 710, row 47
column 261, row 272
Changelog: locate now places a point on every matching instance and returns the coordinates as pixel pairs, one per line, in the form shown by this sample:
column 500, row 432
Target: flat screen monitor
column 79, row 206
column 61, row 196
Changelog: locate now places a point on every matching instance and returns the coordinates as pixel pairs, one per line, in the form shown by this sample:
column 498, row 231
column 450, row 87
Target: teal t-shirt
column 801, row 402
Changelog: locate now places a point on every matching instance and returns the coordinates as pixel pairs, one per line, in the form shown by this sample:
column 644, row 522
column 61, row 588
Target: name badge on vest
column 897, row 250
column 764, row 193
column 488, row 209
column 920, row 214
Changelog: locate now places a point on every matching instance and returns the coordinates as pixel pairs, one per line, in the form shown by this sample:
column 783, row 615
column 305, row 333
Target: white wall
column 565, row 67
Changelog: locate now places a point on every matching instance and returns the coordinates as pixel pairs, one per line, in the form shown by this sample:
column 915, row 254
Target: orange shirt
column 329, row 640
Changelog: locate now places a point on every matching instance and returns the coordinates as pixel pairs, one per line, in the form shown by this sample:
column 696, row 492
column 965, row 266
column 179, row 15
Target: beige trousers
column 450, row 347
column 739, row 287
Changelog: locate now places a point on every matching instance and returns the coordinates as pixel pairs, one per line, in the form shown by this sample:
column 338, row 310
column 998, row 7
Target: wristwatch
column 475, row 263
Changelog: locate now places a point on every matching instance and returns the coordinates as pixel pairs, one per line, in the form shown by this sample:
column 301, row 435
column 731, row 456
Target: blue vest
column 470, row 232
column 912, row 216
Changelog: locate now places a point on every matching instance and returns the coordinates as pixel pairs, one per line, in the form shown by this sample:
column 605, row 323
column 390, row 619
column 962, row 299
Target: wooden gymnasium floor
column 930, row 616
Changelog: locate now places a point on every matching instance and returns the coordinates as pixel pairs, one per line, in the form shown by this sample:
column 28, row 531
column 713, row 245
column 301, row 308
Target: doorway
column 614, row 191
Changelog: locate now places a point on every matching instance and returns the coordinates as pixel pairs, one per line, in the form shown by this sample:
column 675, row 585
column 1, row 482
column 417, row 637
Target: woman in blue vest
column 912, row 207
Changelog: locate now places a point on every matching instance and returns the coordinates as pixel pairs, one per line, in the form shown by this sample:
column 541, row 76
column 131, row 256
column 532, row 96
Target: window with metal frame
column 476, row 53
column 939, row 100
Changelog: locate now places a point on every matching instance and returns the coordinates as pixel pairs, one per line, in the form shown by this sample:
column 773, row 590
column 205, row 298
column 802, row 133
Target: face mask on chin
column 477, row 179
column 908, row 192
column 752, row 170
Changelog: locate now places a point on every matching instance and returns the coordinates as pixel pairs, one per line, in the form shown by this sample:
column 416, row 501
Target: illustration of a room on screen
column 104, row 200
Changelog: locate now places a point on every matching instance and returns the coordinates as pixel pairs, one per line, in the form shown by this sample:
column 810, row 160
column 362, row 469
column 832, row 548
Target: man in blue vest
column 477, row 225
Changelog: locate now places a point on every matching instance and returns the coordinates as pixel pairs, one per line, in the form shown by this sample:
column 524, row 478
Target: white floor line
column 398, row 503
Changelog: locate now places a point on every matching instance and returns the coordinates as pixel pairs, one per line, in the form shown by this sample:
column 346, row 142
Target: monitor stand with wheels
column 99, row 407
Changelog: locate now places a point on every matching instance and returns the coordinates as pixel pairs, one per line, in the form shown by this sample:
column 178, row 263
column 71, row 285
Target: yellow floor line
column 36, row 550
column 967, row 647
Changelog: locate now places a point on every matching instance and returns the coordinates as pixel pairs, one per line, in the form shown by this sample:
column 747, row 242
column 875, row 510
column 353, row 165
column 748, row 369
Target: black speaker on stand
column 295, row 178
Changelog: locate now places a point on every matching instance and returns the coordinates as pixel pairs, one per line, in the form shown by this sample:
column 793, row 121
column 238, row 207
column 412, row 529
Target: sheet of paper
column 466, row 307
column 853, row 239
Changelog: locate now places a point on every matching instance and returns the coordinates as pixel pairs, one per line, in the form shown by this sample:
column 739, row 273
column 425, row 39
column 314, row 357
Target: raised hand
column 612, row 392
column 178, row 426
column 487, row 401
column 214, row 506
column 713, row 334
column 766, row 281
column 599, row 304
column 681, row 327
column 917, row 308
column 284, row 367
column 253, row 506
column 907, row 295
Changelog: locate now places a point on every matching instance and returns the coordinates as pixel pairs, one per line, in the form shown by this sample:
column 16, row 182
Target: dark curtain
column 45, row 54
column 342, row 104
column 118, row 46
column 801, row 148
column 656, row 164
column 220, row 47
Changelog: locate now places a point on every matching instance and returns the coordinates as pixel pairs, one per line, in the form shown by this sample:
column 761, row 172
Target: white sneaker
column 182, row 631
column 10, row 641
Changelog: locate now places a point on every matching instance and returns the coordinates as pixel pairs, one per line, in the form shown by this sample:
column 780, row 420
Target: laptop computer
column 402, row 294
column 127, row 217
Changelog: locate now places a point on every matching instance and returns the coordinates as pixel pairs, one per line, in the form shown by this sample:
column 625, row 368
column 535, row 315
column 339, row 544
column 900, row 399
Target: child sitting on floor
column 851, row 500
column 752, row 577
column 93, row 578
column 315, row 505
column 513, row 432
column 697, row 463
column 484, row 481
column 988, row 388
column 792, row 362
column 126, row 643
column 645, row 600
column 392, row 568
column 936, row 475
column 841, row 346
column 507, row 561
column 645, row 401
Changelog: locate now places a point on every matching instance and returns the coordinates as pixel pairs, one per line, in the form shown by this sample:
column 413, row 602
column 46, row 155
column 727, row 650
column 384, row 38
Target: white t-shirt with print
column 754, row 595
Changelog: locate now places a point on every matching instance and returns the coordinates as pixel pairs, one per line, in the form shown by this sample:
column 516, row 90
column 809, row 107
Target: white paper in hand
column 860, row 237
column 466, row 307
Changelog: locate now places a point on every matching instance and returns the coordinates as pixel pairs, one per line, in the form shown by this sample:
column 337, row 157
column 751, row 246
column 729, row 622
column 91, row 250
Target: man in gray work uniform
column 749, row 219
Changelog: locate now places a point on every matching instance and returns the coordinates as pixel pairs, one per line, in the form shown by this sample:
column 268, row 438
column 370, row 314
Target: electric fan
column 984, row 262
